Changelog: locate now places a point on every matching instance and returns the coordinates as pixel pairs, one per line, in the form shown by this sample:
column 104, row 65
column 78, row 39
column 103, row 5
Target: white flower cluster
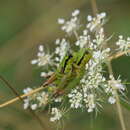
column 124, row 45
column 42, row 99
column 71, row 25
column 83, row 39
column 46, row 74
column 75, row 99
column 96, row 23
column 36, row 100
column 53, row 60
column 94, row 84
column 113, row 87
column 94, row 87
column 43, row 58
column 79, row 99
column 61, row 49
column 91, row 84
column 26, row 101
column 56, row 114
column 90, row 102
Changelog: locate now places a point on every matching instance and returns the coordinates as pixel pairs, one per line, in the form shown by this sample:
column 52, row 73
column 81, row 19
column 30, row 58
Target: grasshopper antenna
column 21, row 98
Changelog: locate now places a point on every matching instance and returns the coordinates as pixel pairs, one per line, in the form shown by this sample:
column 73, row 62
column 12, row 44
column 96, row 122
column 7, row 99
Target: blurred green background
column 24, row 24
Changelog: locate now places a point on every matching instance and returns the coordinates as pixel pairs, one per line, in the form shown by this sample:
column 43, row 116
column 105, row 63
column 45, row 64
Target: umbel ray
column 66, row 77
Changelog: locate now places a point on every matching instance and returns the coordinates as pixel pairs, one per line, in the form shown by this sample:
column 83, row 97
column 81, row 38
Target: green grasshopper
column 72, row 69
column 67, row 76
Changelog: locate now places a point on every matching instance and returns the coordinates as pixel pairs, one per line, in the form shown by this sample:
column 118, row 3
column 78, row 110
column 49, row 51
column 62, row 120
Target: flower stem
column 120, row 113
column 118, row 105
column 76, row 35
column 117, row 55
column 94, row 7
column 21, row 96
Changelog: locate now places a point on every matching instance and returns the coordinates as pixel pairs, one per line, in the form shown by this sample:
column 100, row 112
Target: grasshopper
column 72, row 69
column 67, row 75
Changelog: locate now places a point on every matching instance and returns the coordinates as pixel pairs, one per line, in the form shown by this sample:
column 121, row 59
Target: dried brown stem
column 117, row 55
column 94, row 7
column 22, row 96
column 119, row 109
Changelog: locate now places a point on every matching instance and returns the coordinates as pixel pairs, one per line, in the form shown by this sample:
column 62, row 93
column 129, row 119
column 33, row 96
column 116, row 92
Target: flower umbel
column 43, row 58
column 124, row 45
column 78, row 84
column 56, row 115
column 71, row 25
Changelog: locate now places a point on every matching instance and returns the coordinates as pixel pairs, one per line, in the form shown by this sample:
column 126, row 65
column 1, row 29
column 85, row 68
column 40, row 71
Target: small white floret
column 75, row 13
column 89, row 18
column 111, row 100
column 41, row 48
column 61, row 21
column 34, row 106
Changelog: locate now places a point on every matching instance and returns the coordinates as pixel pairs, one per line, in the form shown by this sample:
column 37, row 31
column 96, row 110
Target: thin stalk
column 120, row 113
column 21, row 96
column 118, row 105
column 94, row 7
column 110, row 67
column 76, row 35
column 117, row 55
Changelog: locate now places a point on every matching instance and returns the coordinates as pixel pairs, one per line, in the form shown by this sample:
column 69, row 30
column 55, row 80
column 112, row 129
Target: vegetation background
column 24, row 24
